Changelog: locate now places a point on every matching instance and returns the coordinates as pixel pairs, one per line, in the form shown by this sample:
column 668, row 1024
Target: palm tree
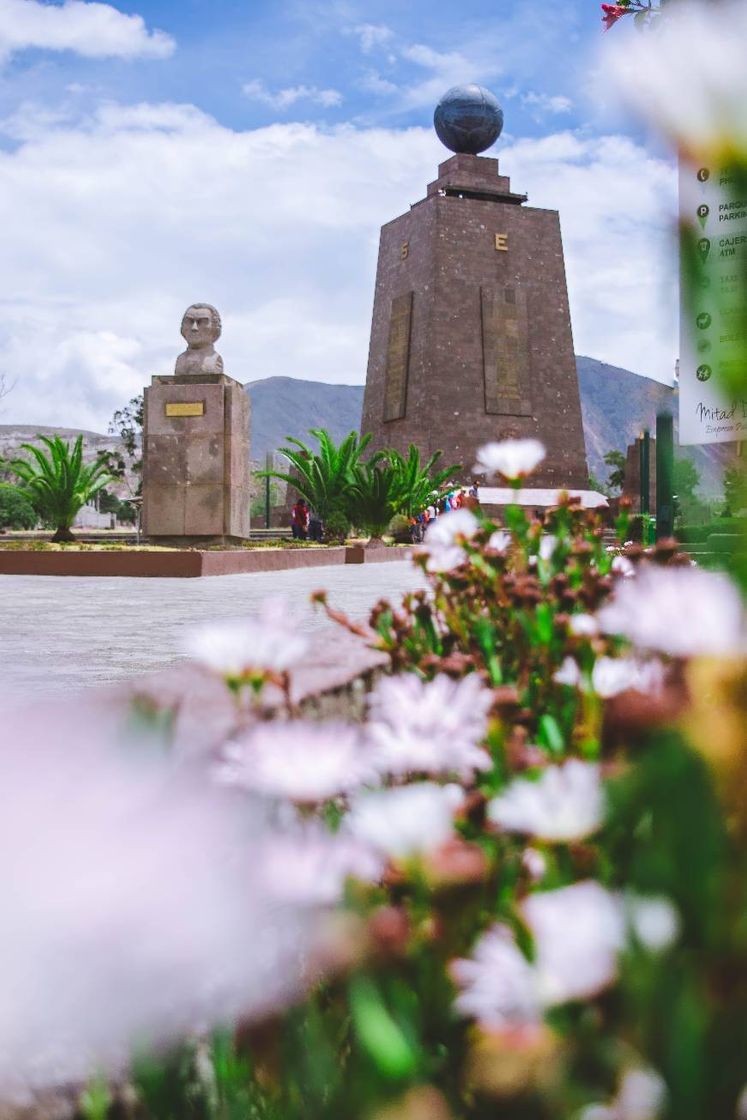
column 324, row 477
column 416, row 482
column 58, row 482
column 373, row 497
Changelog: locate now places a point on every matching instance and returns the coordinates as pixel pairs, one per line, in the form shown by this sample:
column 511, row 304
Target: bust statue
column 201, row 327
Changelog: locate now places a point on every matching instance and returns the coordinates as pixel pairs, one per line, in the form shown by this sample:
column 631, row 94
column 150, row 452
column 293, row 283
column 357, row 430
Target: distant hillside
column 286, row 406
column 615, row 403
column 12, row 435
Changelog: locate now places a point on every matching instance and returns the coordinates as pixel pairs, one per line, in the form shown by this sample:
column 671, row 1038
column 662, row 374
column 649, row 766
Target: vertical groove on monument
column 471, row 335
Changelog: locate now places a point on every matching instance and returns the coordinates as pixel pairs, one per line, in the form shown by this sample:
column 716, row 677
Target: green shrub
column 400, row 529
column 337, row 526
column 16, row 511
column 698, row 534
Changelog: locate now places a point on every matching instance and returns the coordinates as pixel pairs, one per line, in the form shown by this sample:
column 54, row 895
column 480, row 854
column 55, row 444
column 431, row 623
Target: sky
column 245, row 153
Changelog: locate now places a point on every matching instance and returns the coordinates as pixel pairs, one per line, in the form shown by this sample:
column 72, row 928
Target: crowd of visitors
column 306, row 526
column 455, row 499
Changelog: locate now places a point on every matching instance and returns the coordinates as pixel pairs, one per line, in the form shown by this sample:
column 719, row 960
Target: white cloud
column 373, row 35
column 617, row 210
column 373, row 82
column 121, row 221
column 90, row 29
column 285, row 98
column 547, row 103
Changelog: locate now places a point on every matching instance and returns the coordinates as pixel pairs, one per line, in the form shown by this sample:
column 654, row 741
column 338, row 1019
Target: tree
column 58, row 483
column 374, row 497
column 617, row 461
column 16, row 511
column 127, row 424
column 323, row 478
column 735, row 491
column 415, row 483
column 685, row 480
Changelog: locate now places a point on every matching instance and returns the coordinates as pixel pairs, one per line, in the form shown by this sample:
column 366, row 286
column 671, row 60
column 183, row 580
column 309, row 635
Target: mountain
column 286, row 406
column 616, row 405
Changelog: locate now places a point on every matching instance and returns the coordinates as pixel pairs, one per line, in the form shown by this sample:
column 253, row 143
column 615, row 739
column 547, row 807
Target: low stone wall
column 188, row 563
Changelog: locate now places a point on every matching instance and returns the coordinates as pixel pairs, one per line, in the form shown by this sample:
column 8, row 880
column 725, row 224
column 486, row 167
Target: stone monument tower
column 471, row 333
column 196, row 444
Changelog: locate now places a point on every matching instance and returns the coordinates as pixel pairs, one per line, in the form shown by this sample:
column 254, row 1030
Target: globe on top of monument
column 201, row 327
column 468, row 119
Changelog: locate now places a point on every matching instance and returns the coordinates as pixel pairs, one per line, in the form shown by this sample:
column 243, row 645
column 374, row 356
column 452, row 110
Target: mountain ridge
column 616, row 404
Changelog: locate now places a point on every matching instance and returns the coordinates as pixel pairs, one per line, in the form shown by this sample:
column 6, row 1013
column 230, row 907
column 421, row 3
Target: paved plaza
column 60, row 634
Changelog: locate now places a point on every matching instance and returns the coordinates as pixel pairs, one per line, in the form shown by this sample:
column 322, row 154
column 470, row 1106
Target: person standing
column 300, row 520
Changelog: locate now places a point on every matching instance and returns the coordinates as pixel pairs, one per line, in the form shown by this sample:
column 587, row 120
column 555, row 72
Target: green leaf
column 378, row 1033
column 551, row 736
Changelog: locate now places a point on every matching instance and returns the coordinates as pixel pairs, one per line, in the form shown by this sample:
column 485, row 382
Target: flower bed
column 514, row 888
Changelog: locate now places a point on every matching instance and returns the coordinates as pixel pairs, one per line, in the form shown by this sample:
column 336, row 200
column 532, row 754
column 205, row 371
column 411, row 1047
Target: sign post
column 712, row 321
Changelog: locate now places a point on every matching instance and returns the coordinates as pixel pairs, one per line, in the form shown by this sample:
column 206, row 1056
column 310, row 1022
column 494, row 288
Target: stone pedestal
column 196, row 460
column 471, row 334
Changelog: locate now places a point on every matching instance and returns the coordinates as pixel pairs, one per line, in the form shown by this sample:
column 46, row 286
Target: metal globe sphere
column 468, row 119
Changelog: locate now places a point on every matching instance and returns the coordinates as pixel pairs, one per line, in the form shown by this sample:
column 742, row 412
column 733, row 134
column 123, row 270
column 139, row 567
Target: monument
column 196, row 444
column 471, row 334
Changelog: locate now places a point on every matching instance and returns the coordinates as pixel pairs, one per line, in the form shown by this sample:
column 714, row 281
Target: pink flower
column 611, row 14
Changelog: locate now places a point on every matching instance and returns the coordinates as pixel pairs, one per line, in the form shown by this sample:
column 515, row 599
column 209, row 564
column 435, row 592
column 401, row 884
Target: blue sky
column 246, row 153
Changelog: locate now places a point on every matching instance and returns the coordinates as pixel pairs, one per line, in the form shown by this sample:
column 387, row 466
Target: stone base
column 196, row 542
column 196, row 460
column 185, row 563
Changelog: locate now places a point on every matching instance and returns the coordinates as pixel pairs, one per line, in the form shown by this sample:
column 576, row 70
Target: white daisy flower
column 511, row 458
column 499, row 540
column 612, row 675
column 583, row 626
column 654, row 921
column 684, row 612
column 498, row 984
column 406, row 821
column 569, row 673
column 578, row 932
column 622, row 566
column 309, row 866
column 547, row 546
column 429, row 726
column 296, row 760
column 642, row 1095
column 237, row 649
column 565, row 803
column 443, row 539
